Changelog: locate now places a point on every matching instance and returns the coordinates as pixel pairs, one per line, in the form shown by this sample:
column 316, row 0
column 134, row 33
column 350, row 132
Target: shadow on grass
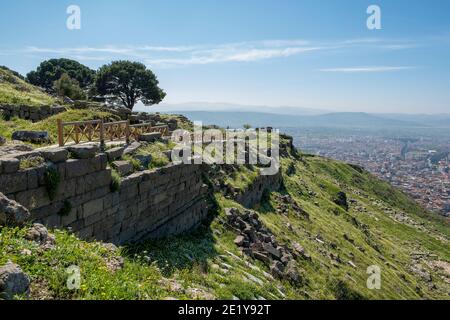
column 184, row 251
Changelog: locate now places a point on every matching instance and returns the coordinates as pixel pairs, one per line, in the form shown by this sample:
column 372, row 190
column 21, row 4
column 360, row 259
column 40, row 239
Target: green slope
column 382, row 227
column 16, row 91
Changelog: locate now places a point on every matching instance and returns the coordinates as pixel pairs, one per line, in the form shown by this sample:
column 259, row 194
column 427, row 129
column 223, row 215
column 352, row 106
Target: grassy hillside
column 382, row 227
column 15, row 91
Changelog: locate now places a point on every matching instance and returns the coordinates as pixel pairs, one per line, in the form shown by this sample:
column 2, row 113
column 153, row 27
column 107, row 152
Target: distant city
column 418, row 166
column 409, row 151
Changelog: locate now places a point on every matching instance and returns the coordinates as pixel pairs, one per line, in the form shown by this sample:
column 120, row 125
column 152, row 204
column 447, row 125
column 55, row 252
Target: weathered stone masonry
column 255, row 191
column 149, row 204
column 29, row 112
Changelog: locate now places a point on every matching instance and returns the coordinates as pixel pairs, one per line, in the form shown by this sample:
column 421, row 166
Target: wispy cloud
column 368, row 69
column 184, row 55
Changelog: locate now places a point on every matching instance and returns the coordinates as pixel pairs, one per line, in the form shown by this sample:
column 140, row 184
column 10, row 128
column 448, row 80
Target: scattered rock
column 32, row 136
column 300, row 251
column 292, row 275
column 347, row 237
column 11, row 212
column 239, row 241
column 2, row 140
column 13, row 281
column 258, row 242
column 341, row 200
column 286, row 204
column 273, row 251
column 200, row 294
column 276, row 269
column 39, row 234
column 262, row 257
column 172, row 284
column 84, row 151
column 115, row 263
column 143, row 159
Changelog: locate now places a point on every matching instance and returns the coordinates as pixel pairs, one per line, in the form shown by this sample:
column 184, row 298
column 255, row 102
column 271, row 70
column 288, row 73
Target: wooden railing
column 139, row 129
column 97, row 130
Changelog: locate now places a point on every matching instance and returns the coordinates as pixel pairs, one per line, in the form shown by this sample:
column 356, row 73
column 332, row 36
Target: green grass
column 15, row 91
column 209, row 261
column 242, row 178
column 31, row 162
column 155, row 150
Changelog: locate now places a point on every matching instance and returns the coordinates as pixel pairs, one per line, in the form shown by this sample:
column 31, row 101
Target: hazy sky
column 317, row 54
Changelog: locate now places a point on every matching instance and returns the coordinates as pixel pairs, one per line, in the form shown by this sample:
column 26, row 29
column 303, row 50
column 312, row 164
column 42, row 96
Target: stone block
column 32, row 178
column 10, row 165
column 86, row 233
column 55, row 155
column 13, row 182
column 92, row 207
column 114, row 153
column 84, row 151
column 122, row 167
column 33, row 199
column 70, row 218
column 150, row 137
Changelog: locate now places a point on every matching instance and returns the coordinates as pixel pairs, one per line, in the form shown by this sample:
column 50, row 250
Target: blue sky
column 315, row 54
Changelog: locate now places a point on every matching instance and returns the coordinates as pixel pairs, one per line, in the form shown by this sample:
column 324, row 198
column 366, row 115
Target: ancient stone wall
column 255, row 192
column 29, row 112
column 148, row 204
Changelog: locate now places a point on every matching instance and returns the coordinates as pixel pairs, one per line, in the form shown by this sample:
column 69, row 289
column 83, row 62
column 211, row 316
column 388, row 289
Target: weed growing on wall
column 52, row 180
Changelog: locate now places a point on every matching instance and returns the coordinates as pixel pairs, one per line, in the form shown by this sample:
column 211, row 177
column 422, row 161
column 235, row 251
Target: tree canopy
column 127, row 82
column 51, row 70
column 68, row 87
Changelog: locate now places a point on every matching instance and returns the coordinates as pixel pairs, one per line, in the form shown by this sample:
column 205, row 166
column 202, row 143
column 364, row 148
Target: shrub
column 52, row 180
column 115, row 181
column 68, row 87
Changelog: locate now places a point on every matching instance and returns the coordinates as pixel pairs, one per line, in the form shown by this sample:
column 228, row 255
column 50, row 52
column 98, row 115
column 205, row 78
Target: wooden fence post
column 60, row 133
column 127, row 132
column 102, row 134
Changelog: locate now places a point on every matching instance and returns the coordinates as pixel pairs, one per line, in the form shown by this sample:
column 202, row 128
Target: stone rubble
column 258, row 242
column 286, row 204
column 11, row 212
column 39, row 234
column 13, row 281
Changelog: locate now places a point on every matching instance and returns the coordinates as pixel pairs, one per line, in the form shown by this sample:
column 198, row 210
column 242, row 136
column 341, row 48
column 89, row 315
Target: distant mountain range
column 229, row 107
column 232, row 115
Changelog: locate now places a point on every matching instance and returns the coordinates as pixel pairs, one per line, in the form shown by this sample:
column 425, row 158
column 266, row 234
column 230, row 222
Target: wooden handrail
column 98, row 130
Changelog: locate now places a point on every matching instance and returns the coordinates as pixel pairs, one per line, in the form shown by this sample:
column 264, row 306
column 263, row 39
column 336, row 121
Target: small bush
column 68, row 87
column 52, row 180
column 158, row 160
column 115, row 181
